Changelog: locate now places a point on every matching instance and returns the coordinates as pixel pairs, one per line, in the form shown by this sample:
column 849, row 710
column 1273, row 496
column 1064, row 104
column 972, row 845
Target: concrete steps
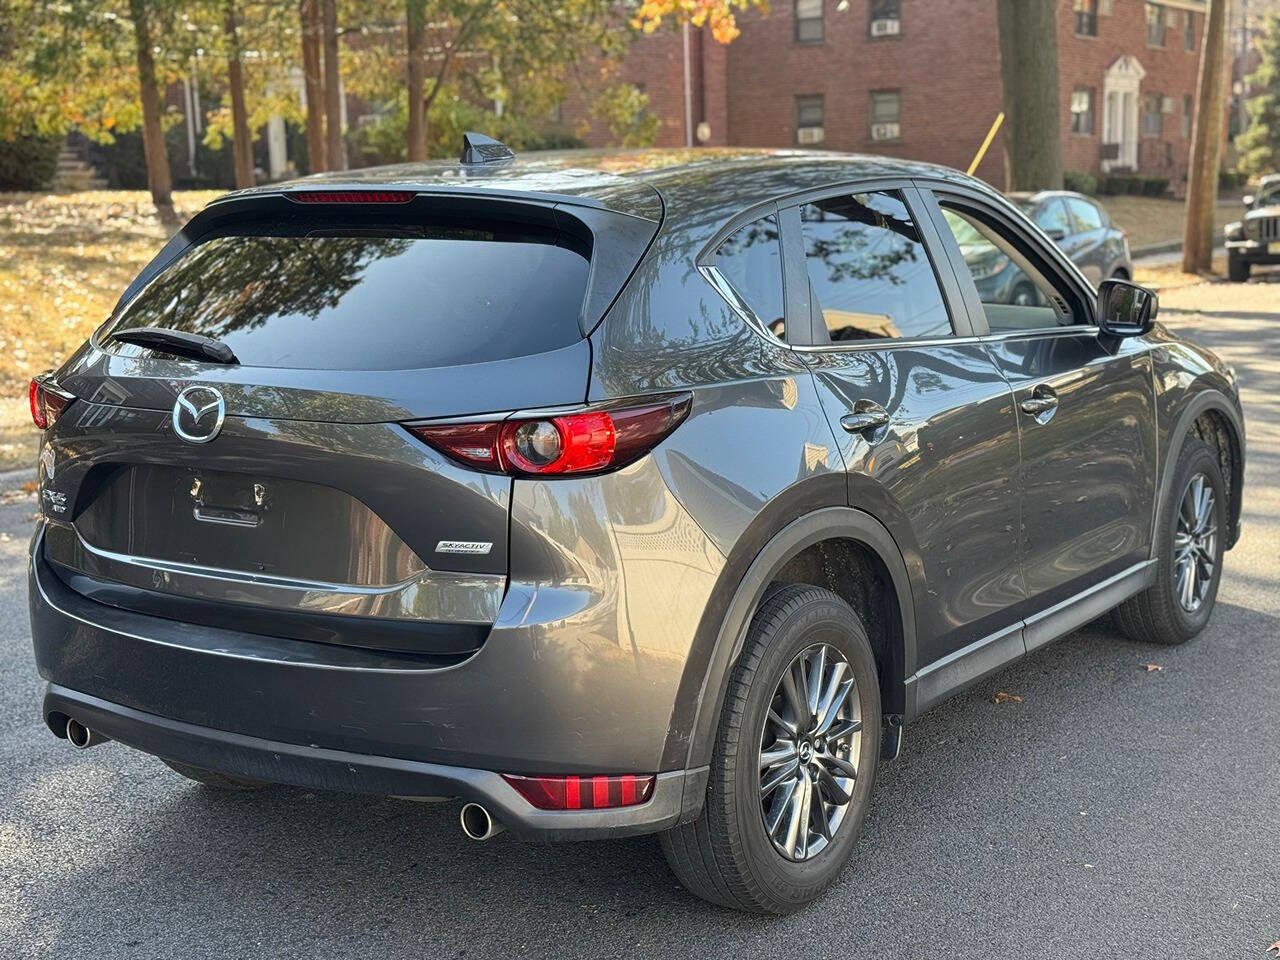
column 75, row 173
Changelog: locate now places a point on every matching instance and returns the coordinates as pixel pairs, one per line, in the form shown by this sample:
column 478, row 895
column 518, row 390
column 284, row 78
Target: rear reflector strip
column 583, row 793
column 352, row 196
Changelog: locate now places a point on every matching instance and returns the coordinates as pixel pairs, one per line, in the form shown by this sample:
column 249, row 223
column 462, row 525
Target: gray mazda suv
column 609, row 493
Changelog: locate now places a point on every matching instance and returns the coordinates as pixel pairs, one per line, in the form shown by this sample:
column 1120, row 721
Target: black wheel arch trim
column 1207, row 399
column 729, row 632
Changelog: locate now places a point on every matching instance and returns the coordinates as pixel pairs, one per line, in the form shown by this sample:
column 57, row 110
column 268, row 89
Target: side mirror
column 1247, row 199
column 1056, row 235
column 1126, row 309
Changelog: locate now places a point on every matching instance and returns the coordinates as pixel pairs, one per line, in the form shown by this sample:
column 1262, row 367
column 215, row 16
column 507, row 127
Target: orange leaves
column 719, row 14
column 1003, row 697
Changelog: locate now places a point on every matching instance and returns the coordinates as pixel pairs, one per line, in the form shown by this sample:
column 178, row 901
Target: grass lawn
column 1157, row 220
column 64, row 260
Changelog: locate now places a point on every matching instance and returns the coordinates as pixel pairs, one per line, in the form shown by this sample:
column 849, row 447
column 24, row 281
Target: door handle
column 1038, row 405
column 864, row 418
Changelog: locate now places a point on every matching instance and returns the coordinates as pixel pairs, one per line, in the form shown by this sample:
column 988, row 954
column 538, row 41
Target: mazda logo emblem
column 198, row 414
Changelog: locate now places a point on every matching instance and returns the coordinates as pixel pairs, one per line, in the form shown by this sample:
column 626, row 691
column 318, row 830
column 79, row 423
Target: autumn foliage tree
column 718, row 14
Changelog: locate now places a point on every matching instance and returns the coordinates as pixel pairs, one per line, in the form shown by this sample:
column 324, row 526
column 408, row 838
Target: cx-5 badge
column 198, row 414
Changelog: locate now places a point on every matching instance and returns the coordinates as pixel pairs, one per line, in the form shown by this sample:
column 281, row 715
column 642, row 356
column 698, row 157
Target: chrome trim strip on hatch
column 472, row 598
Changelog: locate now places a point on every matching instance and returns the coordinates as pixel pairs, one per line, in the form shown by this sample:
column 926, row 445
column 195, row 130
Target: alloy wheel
column 810, row 748
column 1195, row 544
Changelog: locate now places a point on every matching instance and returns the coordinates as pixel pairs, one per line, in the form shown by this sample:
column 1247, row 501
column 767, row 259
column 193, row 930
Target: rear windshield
column 370, row 298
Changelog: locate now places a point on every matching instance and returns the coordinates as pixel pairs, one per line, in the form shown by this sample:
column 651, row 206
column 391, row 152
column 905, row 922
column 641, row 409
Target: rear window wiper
column 177, row 342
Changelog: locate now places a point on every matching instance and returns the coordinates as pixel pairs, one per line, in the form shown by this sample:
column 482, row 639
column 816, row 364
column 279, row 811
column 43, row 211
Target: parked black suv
column 1255, row 240
column 612, row 493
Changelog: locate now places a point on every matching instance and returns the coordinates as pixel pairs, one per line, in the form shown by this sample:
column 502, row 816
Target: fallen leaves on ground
column 1152, row 667
column 1003, row 697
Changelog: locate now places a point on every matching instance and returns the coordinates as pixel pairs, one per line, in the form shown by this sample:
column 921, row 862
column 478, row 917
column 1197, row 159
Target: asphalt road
column 1115, row 812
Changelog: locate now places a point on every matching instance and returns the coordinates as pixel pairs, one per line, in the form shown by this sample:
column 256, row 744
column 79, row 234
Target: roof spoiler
column 477, row 148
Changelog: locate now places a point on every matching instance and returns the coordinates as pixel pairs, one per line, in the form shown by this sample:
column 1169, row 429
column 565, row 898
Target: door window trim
column 1046, row 254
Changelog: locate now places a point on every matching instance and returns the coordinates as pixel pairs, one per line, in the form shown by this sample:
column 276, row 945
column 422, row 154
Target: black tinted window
column 371, row 299
column 869, row 273
column 751, row 261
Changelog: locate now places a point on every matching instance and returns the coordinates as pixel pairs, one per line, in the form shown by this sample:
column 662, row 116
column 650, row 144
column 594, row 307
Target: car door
column 923, row 418
column 1085, row 411
column 1089, row 239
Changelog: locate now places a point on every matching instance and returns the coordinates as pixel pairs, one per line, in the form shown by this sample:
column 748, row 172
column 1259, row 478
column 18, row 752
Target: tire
column 1023, row 295
column 1160, row 614
column 1238, row 269
column 726, row 855
column 211, row 778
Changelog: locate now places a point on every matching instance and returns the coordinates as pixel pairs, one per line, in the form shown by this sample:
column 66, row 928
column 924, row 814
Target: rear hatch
column 310, row 511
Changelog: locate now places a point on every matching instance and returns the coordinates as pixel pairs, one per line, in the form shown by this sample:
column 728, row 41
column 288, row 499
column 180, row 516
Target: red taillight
column 46, row 402
column 583, row 793
column 352, row 196
column 590, row 441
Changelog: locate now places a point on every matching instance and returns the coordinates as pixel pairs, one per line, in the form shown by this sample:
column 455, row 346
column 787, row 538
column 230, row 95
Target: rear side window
column 751, row 261
column 371, row 298
column 869, row 274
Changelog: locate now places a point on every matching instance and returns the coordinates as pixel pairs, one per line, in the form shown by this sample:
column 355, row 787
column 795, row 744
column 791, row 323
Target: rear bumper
column 539, row 697
column 322, row 769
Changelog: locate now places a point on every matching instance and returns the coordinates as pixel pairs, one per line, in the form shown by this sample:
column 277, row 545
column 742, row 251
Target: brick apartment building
column 921, row 79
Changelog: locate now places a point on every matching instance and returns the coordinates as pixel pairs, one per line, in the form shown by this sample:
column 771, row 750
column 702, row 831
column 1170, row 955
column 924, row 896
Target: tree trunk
column 1206, row 142
column 313, row 79
column 416, row 18
column 332, row 88
column 241, row 144
column 1029, row 78
column 157, row 156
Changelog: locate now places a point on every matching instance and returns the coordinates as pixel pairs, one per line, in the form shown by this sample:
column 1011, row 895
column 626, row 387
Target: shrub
column 1155, row 186
column 1080, row 182
column 1231, row 179
column 28, row 163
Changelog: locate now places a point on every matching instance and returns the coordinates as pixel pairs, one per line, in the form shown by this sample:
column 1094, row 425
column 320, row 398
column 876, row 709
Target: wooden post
column 1206, row 143
column 332, row 88
column 313, row 77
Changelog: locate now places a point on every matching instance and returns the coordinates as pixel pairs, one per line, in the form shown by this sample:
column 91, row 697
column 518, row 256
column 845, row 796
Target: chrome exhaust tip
column 478, row 823
column 81, row 737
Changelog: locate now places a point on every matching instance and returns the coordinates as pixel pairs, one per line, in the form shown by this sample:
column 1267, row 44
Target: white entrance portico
column 1120, row 98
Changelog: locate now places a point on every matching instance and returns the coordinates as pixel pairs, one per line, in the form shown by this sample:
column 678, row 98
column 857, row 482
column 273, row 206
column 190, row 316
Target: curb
column 1168, row 246
column 9, row 478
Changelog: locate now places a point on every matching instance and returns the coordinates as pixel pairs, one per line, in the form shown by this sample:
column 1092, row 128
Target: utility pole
column 1206, row 143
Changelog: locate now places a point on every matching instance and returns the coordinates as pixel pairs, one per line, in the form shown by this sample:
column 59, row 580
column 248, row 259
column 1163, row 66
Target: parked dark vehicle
column 611, row 493
column 1084, row 231
column 1255, row 240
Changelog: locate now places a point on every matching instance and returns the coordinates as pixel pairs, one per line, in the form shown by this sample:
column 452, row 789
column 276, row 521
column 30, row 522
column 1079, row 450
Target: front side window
column 1052, row 219
column 809, row 23
column 1087, row 217
column 1152, row 115
column 1015, row 294
column 870, row 277
column 1082, row 99
column 750, row 260
column 1086, row 18
column 1155, row 25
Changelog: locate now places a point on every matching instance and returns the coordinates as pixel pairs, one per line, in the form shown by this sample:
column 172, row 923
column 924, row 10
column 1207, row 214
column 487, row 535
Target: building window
column 1191, row 32
column 885, row 18
column 1086, row 18
column 1155, row 25
column 810, row 120
column 1152, row 117
column 1188, row 112
column 1082, row 99
column 886, row 106
column 809, row 24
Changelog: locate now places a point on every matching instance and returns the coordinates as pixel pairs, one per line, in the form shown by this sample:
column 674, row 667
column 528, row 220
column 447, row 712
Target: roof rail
column 477, row 148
